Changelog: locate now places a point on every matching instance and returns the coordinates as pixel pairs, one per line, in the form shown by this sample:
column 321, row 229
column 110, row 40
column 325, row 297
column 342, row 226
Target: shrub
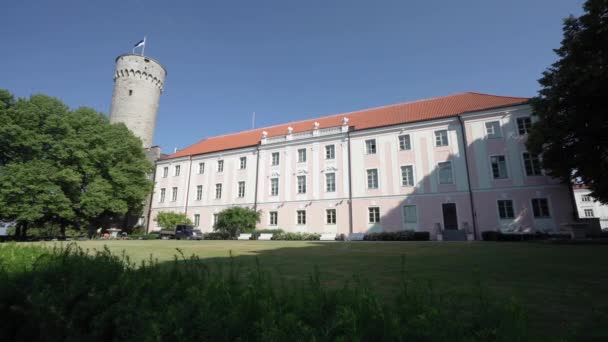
column 237, row 220
column 296, row 236
column 256, row 233
column 404, row 235
column 75, row 296
column 217, row 236
column 500, row 236
column 169, row 219
column 151, row 236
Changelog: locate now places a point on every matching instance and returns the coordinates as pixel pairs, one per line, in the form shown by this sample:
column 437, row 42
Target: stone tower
column 138, row 83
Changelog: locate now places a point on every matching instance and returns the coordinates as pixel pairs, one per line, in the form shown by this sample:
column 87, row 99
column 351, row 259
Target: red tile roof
column 435, row 108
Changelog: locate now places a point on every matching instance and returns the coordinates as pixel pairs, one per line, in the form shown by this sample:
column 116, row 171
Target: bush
column 237, row 220
column 217, row 236
column 296, row 236
column 256, row 233
column 491, row 235
column 151, row 236
column 404, row 235
column 75, row 296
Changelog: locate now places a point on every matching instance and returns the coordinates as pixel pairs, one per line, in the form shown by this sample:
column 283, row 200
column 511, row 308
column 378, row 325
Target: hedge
column 296, row 236
column 406, row 235
column 491, row 235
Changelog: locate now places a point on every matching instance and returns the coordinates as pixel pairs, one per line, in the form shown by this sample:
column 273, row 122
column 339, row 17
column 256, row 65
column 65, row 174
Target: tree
column 169, row 219
column 66, row 167
column 572, row 128
column 237, row 220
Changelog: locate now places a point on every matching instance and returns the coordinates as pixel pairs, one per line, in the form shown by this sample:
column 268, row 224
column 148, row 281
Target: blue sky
column 285, row 60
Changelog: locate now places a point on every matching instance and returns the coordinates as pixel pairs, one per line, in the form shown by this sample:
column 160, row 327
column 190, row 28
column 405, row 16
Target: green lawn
column 557, row 284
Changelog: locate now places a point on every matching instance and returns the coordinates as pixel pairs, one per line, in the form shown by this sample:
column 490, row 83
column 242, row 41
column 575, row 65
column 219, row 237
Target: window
column 409, row 214
column 130, row 92
column 493, row 129
column 586, row 198
column 165, row 171
column 243, row 163
column 162, row 195
column 523, row 125
column 441, row 138
column 274, row 218
column 372, row 179
column 330, row 182
column 174, row 194
column 215, row 219
column 220, row 166
column 370, row 146
column 274, row 187
column 275, row 158
column 499, row 167
column 301, row 184
column 201, row 168
column 374, row 214
column 540, row 207
column 177, row 170
column 505, row 209
column 407, row 175
column 404, row 142
column 301, row 216
column 197, row 220
column 199, row 192
column 302, row 155
column 588, row 212
column 445, row 173
column 330, row 216
column 241, row 189
column 532, row 164
column 330, row 152
column 218, row 191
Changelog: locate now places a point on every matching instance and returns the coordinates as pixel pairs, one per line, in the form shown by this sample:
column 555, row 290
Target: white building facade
column 588, row 207
column 455, row 163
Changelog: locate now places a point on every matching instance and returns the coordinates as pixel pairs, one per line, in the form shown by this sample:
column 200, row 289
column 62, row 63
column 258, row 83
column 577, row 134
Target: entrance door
column 450, row 219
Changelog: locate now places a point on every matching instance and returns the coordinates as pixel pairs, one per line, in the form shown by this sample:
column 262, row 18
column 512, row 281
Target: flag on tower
column 140, row 43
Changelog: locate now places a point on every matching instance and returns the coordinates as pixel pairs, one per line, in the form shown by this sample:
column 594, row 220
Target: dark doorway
column 450, row 219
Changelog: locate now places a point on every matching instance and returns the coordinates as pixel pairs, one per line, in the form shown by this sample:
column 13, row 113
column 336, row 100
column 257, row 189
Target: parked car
column 182, row 232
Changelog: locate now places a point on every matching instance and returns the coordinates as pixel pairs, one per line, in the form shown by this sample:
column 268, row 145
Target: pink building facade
column 468, row 171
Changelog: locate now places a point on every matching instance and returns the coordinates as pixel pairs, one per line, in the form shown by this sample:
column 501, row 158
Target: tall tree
column 64, row 167
column 572, row 105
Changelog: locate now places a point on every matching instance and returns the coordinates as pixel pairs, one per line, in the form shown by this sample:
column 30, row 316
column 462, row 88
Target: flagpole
column 143, row 49
column 253, row 121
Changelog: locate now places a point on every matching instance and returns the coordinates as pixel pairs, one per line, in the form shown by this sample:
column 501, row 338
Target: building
column 588, row 207
column 391, row 168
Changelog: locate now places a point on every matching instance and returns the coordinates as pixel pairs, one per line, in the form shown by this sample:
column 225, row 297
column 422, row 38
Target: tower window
column 130, row 92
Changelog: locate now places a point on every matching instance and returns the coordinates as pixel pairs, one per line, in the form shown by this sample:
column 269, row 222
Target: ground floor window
column 374, row 214
column 409, row 214
column 589, row 213
column 274, row 218
column 301, row 216
column 197, row 220
column 330, row 215
column 540, row 207
column 505, row 209
column 215, row 216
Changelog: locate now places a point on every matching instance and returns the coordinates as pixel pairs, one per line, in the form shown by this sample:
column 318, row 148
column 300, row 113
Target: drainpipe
column 350, row 187
column 257, row 170
column 148, row 214
column 466, row 163
column 188, row 187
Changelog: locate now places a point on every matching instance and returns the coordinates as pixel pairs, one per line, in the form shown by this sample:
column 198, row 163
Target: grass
column 558, row 285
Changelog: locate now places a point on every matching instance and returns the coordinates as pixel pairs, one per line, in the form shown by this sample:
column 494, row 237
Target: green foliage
column 406, row 235
column 144, row 236
column 572, row 104
column 66, row 167
column 69, row 294
column 169, row 219
column 296, row 236
column 256, row 233
column 237, row 220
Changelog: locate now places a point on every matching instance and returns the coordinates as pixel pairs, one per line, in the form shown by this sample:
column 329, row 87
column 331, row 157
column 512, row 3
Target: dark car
column 182, row 232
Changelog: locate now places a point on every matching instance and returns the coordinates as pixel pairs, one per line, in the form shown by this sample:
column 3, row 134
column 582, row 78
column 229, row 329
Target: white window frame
column 327, row 183
column 588, row 212
column 242, row 163
column 174, row 194
column 165, row 171
column 220, row 165
column 512, row 208
column 439, row 138
column 404, row 146
column 585, row 198
column 177, row 170
column 377, row 179
column 162, row 194
column 330, row 152
column 273, row 188
column 404, row 216
column 506, row 176
column 301, row 186
column 215, row 219
column 241, row 189
column 493, row 131
column 274, row 162
column 199, row 192
column 413, row 178
column 523, row 162
column 197, row 220
column 330, row 218
column 548, row 208
column 273, row 216
column 201, row 168
column 301, row 219
column 526, row 129
column 301, row 155
column 369, row 215
column 218, row 190
column 370, row 146
column 451, row 172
